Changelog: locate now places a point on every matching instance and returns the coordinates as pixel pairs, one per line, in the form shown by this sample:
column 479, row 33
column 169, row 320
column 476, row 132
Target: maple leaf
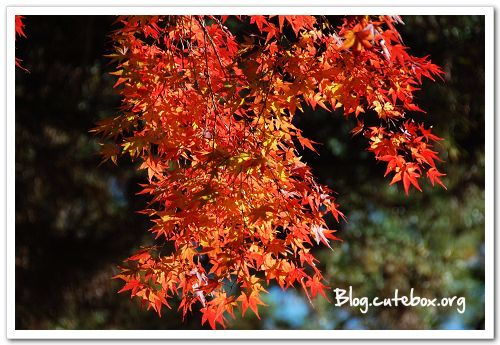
column 358, row 40
column 410, row 175
column 306, row 143
column 20, row 26
column 428, row 134
column 316, row 287
column 212, row 313
column 133, row 285
column 434, row 176
column 260, row 21
column 319, row 235
column 252, row 300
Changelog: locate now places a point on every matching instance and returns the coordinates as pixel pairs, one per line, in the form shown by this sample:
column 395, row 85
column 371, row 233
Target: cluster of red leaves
column 209, row 116
column 19, row 32
column 407, row 152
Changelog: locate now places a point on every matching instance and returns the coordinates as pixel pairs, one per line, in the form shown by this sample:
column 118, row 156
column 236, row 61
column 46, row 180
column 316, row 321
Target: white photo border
column 273, row 7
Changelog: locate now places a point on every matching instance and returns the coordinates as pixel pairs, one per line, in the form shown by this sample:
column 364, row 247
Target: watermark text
column 345, row 297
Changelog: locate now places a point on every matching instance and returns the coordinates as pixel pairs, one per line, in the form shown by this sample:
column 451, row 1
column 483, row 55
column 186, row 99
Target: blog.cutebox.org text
column 343, row 297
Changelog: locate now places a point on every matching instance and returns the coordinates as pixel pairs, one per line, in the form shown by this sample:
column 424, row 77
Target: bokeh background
column 75, row 220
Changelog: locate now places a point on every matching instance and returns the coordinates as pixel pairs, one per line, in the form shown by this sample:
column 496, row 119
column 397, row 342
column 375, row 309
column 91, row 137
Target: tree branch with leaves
column 209, row 114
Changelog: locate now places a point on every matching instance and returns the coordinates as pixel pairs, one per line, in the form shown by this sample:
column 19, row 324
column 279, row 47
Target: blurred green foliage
column 75, row 220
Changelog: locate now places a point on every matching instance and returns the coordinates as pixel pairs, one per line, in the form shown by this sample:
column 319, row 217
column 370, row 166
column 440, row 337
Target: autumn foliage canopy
column 208, row 112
